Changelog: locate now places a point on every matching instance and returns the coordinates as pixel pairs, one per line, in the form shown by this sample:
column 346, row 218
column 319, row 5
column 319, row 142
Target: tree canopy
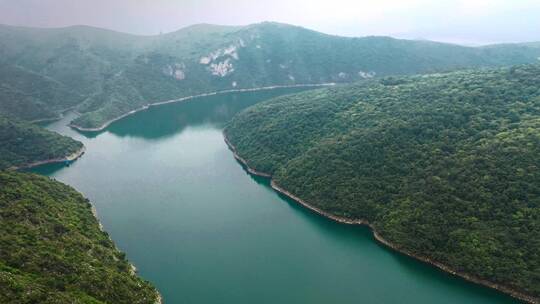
column 444, row 165
column 52, row 249
column 23, row 143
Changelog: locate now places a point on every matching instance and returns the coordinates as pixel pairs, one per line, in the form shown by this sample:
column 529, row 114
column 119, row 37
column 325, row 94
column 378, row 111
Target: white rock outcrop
column 231, row 51
column 205, row 60
column 179, row 75
column 176, row 71
column 219, row 62
column 222, row 69
column 366, row 75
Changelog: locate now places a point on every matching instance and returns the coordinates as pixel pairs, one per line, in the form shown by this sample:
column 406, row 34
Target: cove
column 202, row 230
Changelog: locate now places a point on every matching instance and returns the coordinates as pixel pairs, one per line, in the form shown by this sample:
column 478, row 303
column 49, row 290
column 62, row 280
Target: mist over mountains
column 104, row 74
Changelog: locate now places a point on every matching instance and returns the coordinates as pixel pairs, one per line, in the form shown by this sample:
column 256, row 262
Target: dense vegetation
column 53, row 251
column 445, row 165
column 105, row 74
column 23, row 143
column 30, row 96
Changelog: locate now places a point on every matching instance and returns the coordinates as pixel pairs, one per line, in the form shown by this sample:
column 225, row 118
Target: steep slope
column 274, row 54
column 53, row 251
column 80, row 57
column 443, row 166
column 117, row 73
column 31, row 96
column 23, row 144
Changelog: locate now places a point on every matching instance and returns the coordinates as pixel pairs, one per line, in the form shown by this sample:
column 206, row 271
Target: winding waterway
column 202, row 230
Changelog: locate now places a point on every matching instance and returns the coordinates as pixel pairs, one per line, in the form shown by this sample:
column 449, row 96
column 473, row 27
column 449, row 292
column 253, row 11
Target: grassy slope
column 23, row 143
column 53, row 251
column 116, row 72
column 444, row 166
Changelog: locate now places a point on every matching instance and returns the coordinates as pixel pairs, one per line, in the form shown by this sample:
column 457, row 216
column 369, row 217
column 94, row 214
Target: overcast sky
column 460, row 21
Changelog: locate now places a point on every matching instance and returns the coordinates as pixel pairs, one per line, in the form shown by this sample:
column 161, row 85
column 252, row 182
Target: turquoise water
column 202, row 230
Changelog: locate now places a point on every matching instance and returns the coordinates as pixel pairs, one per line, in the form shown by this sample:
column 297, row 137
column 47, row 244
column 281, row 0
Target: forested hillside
column 106, row 74
column 53, row 251
column 23, row 143
column 445, row 166
column 31, row 96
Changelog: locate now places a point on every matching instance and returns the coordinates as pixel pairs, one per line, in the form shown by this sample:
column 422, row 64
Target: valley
column 266, row 163
column 191, row 219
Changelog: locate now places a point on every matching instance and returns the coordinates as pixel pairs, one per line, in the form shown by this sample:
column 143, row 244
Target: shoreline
column 159, row 103
column 132, row 269
column 60, row 116
column 44, row 120
column 468, row 277
column 70, row 158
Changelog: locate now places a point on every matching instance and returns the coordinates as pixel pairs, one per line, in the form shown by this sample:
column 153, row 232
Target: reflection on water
column 163, row 121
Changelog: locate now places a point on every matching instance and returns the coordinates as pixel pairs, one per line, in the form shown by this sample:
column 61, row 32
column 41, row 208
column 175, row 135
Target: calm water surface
column 202, row 230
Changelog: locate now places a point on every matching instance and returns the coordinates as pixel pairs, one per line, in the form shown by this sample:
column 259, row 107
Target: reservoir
column 202, row 230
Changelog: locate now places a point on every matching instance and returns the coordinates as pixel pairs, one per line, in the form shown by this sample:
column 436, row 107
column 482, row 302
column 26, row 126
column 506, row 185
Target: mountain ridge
column 251, row 25
column 116, row 73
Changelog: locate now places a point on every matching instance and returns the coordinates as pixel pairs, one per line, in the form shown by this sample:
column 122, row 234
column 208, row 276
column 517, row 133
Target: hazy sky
column 463, row 21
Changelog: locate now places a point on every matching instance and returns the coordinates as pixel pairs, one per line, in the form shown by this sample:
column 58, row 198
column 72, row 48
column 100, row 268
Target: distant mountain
column 532, row 44
column 116, row 73
column 444, row 166
column 23, row 144
column 54, row 251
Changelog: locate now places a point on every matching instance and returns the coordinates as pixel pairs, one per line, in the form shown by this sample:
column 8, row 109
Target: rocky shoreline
column 132, row 268
column 70, row 158
column 145, row 107
column 471, row 278
column 243, row 161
